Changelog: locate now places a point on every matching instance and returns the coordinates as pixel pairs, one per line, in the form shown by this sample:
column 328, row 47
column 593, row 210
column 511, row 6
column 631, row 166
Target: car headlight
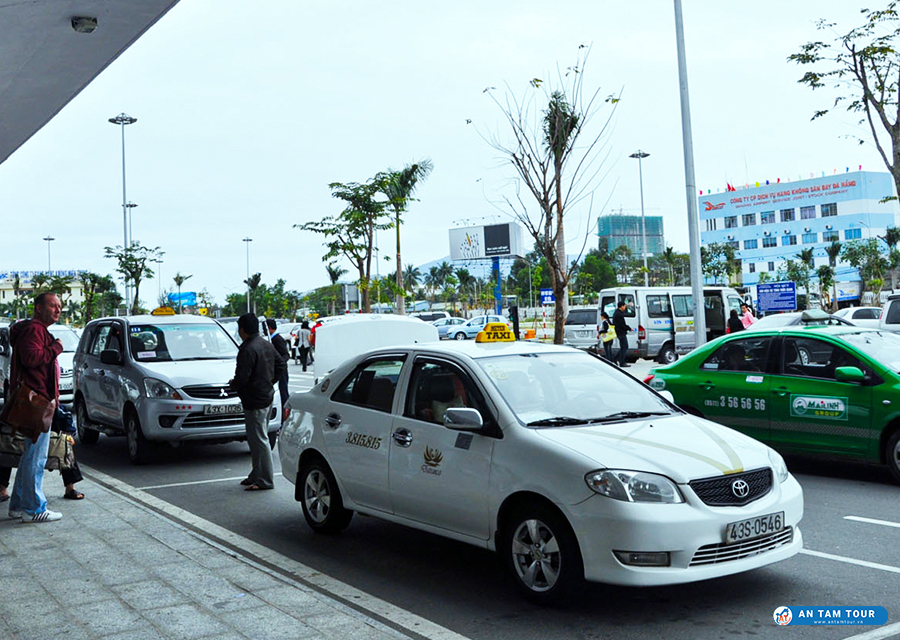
column 158, row 389
column 778, row 466
column 634, row 486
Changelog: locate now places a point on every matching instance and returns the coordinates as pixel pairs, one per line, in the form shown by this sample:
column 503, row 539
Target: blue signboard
column 772, row 297
column 547, row 296
column 188, row 298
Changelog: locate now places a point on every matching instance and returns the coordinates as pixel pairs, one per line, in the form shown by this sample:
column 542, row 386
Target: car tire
column 140, row 450
column 803, row 355
column 85, row 435
column 460, row 336
column 541, row 554
column 667, row 354
column 892, row 455
column 321, row 499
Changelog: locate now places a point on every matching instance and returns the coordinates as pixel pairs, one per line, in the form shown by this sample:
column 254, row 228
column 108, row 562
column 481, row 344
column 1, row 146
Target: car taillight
column 642, row 333
column 649, row 378
column 598, row 332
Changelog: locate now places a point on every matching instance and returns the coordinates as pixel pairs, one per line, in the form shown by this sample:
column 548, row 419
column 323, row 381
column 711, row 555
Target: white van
column 663, row 318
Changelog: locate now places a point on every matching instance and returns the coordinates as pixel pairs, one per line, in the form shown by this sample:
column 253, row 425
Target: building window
column 711, row 224
column 749, row 219
column 771, row 266
column 788, row 240
column 787, row 215
column 807, row 213
column 829, row 210
column 735, row 244
column 752, row 268
column 852, row 234
column 810, row 238
column 767, row 217
column 770, row 242
column 830, row 236
column 750, row 244
column 731, row 222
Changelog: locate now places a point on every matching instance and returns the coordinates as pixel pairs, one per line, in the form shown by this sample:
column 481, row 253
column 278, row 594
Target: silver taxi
column 563, row 464
column 159, row 379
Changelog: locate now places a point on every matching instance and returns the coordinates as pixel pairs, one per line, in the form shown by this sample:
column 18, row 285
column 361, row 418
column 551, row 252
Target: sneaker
column 43, row 516
column 16, row 514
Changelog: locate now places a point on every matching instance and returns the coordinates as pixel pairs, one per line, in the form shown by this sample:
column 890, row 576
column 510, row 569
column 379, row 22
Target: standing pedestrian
column 295, row 347
column 305, row 341
column 258, row 368
column 34, row 364
column 607, row 335
column 622, row 330
column 281, row 348
column 747, row 317
column 734, row 322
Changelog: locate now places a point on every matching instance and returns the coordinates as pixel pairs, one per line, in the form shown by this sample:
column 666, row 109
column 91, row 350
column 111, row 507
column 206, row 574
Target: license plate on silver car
column 216, row 409
column 754, row 527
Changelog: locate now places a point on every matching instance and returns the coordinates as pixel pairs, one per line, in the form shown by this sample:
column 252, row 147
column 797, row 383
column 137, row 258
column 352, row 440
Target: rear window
column 582, row 316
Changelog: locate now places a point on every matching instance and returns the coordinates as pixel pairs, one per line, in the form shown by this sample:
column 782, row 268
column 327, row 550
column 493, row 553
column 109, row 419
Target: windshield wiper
column 200, row 358
column 622, row 415
column 557, row 421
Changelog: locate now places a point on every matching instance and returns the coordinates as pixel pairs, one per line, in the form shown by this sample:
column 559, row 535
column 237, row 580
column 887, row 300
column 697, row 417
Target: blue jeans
column 28, row 489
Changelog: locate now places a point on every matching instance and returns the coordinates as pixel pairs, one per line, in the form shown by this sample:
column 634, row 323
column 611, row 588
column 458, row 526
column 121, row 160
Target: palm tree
column 466, row 286
column 253, row 284
column 411, row 278
column 399, row 187
column 179, row 280
column 334, row 274
column 834, row 251
column 432, row 283
column 891, row 237
column 670, row 258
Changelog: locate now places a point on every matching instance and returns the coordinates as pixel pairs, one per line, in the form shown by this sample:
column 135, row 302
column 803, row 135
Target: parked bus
column 663, row 318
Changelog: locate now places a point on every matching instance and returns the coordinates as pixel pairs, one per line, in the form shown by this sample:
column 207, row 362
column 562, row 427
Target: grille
column 722, row 552
column 197, row 420
column 716, row 492
column 210, row 391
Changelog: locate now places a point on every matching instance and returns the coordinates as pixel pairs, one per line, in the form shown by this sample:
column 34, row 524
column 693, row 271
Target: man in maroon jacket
column 34, row 364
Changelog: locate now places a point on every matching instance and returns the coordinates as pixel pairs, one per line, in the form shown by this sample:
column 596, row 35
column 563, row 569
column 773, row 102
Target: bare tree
column 554, row 166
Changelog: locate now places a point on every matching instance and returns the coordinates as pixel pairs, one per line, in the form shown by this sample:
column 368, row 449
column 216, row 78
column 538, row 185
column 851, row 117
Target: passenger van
column 663, row 318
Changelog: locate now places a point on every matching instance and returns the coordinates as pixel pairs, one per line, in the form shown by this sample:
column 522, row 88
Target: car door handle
column 333, row 420
column 402, row 437
column 708, row 385
column 782, row 391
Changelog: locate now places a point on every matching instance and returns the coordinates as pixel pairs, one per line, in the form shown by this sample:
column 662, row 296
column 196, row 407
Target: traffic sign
column 547, row 296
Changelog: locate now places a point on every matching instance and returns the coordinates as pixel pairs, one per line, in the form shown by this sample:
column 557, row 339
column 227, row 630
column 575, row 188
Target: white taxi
column 565, row 465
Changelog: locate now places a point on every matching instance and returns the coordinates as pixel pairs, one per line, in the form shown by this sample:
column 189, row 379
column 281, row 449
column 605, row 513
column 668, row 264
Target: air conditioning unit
column 787, row 230
column 731, row 237
column 828, row 226
column 766, row 234
column 806, row 229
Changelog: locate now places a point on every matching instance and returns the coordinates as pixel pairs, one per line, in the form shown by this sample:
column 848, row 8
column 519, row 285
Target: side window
column 100, row 338
column 608, row 305
column 658, row 306
column 812, row 358
column 114, row 340
column 371, row 385
column 438, row 386
column 734, row 302
column 749, row 354
column 866, row 314
column 893, row 312
column 683, row 306
column 628, row 299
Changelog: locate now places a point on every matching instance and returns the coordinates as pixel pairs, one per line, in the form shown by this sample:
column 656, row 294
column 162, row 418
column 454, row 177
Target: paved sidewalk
column 113, row 568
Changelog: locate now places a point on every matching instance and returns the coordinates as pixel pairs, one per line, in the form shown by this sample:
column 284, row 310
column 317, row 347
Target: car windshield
column 558, row 389
column 179, row 342
column 65, row 335
column 881, row 346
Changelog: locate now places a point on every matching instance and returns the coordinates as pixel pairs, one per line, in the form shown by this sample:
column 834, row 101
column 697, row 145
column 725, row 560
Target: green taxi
column 832, row 390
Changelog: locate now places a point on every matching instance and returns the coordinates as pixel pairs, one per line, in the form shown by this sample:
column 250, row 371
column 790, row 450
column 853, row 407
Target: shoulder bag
column 28, row 412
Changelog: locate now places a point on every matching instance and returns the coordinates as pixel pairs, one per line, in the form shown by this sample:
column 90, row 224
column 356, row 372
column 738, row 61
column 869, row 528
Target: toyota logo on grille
column 740, row 488
column 223, row 393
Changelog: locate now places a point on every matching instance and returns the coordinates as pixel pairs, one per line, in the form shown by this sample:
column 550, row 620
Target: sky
column 245, row 117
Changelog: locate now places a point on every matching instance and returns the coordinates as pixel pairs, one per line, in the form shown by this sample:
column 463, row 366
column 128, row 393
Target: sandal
column 246, row 482
column 73, row 495
column 256, row 487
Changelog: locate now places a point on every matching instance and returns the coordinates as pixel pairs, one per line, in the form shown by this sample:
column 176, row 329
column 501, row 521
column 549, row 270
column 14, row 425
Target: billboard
column 187, row 299
column 487, row 241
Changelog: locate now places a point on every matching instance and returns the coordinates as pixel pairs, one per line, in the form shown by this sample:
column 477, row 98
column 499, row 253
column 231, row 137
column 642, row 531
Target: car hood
column 682, row 448
column 190, row 372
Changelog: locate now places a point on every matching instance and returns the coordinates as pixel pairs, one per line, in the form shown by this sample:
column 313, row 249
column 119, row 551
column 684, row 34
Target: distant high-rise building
column 616, row 230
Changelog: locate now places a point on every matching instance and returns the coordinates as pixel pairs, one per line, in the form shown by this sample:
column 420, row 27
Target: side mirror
column 459, row 419
column 665, row 393
column 110, row 356
column 849, row 374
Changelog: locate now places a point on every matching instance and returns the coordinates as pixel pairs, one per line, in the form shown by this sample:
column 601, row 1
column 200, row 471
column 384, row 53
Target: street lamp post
column 158, row 279
column 640, row 155
column 122, row 119
column 129, row 206
column 48, row 240
column 248, row 241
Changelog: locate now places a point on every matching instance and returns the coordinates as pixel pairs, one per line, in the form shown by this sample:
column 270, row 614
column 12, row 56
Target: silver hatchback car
column 159, row 379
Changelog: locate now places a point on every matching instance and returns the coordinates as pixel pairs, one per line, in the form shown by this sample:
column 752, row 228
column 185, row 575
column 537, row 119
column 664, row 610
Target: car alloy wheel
column 892, row 455
column 323, row 507
column 460, row 336
column 140, row 450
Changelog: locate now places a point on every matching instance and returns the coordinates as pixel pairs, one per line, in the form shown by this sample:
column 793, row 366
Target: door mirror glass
column 462, row 419
column 849, row 374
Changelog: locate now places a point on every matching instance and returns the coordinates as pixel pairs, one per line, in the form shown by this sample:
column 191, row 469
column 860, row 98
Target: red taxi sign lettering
column 495, row 332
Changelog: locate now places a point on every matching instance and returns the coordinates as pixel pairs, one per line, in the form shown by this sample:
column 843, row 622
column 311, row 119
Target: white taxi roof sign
column 495, row 332
column 163, row 311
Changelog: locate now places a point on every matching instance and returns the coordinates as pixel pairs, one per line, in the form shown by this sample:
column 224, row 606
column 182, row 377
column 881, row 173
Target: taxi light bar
column 495, row 332
column 644, row 558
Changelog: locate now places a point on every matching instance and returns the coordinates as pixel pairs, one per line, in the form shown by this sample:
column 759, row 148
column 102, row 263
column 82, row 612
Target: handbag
column 60, row 455
column 28, row 412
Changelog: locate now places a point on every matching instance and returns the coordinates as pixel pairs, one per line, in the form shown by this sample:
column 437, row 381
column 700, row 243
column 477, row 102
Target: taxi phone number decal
column 362, row 440
column 733, row 402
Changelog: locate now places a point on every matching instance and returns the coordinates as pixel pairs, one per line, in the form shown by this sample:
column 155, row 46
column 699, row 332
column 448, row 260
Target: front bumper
column 692, row 533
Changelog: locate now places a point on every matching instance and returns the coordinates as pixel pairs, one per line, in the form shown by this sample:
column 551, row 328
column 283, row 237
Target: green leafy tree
column 719, row 261
column 334, row 274
column 866, row 256
column 826, row 282
column 253, row 283
column 862, row 63
column 466, row 287
column 132, row 264
column 93, row 285
column 411, row 277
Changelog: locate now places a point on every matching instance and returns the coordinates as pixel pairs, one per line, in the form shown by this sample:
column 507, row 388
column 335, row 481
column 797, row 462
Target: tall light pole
column 129, row 206
column 248, row 241
column 122, row 119
column 158, row 278
column 640, row 155
column 48, row 240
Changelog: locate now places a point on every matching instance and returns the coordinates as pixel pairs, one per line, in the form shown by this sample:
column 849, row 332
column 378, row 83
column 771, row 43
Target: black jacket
column 281, row 346
column 258, row 368
column 619, row 323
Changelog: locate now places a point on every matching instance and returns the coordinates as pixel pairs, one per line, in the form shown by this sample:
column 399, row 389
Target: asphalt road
column 851, row 555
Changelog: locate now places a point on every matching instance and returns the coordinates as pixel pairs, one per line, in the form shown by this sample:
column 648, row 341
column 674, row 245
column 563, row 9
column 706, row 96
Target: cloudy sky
column 247, row 111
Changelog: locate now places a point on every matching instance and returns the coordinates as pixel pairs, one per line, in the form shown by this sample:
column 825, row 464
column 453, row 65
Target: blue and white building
column 771, row 224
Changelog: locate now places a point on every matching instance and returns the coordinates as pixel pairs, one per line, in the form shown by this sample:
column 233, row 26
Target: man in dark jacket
column 622, row 330
column 281, row 348
column 258, row 368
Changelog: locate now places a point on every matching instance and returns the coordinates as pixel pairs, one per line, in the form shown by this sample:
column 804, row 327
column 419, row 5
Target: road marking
column 861, row 563
column 186, row 484
column 890, row 631
column 885, row 523
column 344, row 594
